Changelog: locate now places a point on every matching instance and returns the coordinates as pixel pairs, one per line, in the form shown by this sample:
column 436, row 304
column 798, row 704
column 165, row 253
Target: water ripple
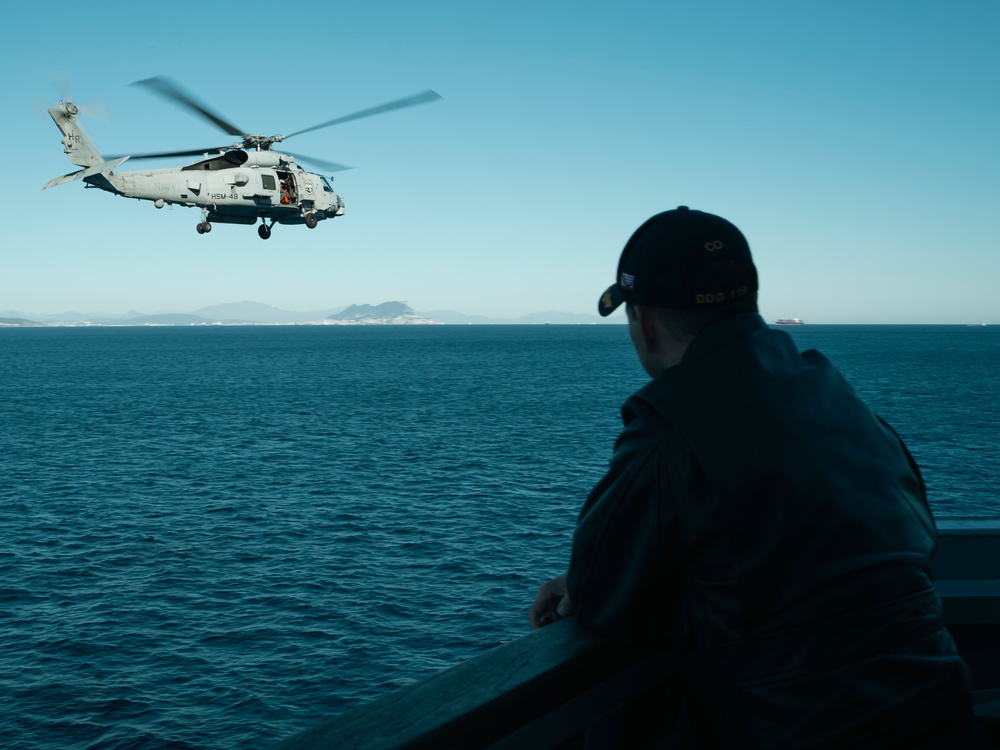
column 213, row 538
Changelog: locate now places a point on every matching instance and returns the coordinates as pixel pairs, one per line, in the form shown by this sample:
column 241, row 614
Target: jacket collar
column 721, row 333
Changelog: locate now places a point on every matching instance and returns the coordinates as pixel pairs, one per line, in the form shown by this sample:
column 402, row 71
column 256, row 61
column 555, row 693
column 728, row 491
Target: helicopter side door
column 263, row 189
column 289, row 189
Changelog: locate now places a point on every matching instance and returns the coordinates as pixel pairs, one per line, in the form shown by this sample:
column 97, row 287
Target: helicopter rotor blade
column 95, row 109
column 410, row 101
column 63, row 82
column 328, row 166
column 168, row 154
column 170, row 90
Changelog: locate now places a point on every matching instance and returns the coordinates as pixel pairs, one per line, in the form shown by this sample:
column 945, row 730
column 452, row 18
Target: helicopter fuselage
column 237, row 187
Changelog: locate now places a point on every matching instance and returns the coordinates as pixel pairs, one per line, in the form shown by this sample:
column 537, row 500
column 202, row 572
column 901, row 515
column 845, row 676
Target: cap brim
column 610, row 300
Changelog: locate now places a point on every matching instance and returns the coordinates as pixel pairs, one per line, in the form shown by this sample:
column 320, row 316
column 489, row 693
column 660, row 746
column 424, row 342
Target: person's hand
column 551, row 603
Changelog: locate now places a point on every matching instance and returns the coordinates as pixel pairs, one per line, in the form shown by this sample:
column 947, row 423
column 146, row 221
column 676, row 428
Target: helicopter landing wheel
column 264, row 231
column 311, row 221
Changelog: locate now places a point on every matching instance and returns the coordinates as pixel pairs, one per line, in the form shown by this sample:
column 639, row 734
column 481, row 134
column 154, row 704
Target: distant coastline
column 386, row 313
column 256, row 313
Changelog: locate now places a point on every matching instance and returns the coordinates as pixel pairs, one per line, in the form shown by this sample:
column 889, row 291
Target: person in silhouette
column 761, row 522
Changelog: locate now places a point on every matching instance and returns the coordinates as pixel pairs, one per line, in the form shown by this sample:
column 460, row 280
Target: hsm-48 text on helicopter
column 235, row 184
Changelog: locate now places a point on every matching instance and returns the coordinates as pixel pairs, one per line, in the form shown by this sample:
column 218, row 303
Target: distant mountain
column 256, row 312
column 166, row 319
column 251, row 313
column 99, row 318
column 388, row 313
column 19, row 322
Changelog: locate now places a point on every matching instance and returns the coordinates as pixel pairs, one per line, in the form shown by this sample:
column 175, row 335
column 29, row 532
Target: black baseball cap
column 683, row 259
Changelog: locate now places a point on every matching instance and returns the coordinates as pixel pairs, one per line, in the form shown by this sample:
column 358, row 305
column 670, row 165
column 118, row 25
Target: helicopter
column 231, row 184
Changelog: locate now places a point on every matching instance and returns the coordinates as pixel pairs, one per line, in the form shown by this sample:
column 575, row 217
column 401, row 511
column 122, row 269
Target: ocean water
column 217, row 537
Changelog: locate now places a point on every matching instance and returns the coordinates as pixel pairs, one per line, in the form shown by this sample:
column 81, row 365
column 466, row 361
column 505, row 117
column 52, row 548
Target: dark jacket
column 761, row 521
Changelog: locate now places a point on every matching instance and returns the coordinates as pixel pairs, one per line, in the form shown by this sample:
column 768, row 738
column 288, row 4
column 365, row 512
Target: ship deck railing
column 563, row 687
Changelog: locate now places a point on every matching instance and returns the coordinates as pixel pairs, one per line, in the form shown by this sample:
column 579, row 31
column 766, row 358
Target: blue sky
column 854, row 143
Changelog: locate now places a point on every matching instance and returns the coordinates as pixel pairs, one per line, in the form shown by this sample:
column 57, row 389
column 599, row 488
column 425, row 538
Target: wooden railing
column 558, row 686
column 562, row 687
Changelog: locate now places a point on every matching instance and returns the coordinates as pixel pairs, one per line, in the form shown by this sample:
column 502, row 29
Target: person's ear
column 649, row 328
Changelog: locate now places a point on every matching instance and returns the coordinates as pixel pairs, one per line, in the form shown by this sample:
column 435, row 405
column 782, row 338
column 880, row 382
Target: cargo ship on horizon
column 789, row 322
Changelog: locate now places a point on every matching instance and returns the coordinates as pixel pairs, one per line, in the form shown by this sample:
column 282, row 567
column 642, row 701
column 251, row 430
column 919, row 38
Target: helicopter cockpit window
column 326, row 185
column 267, row 181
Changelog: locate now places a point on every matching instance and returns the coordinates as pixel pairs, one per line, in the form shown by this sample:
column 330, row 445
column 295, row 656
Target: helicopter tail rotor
column 92, row 108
